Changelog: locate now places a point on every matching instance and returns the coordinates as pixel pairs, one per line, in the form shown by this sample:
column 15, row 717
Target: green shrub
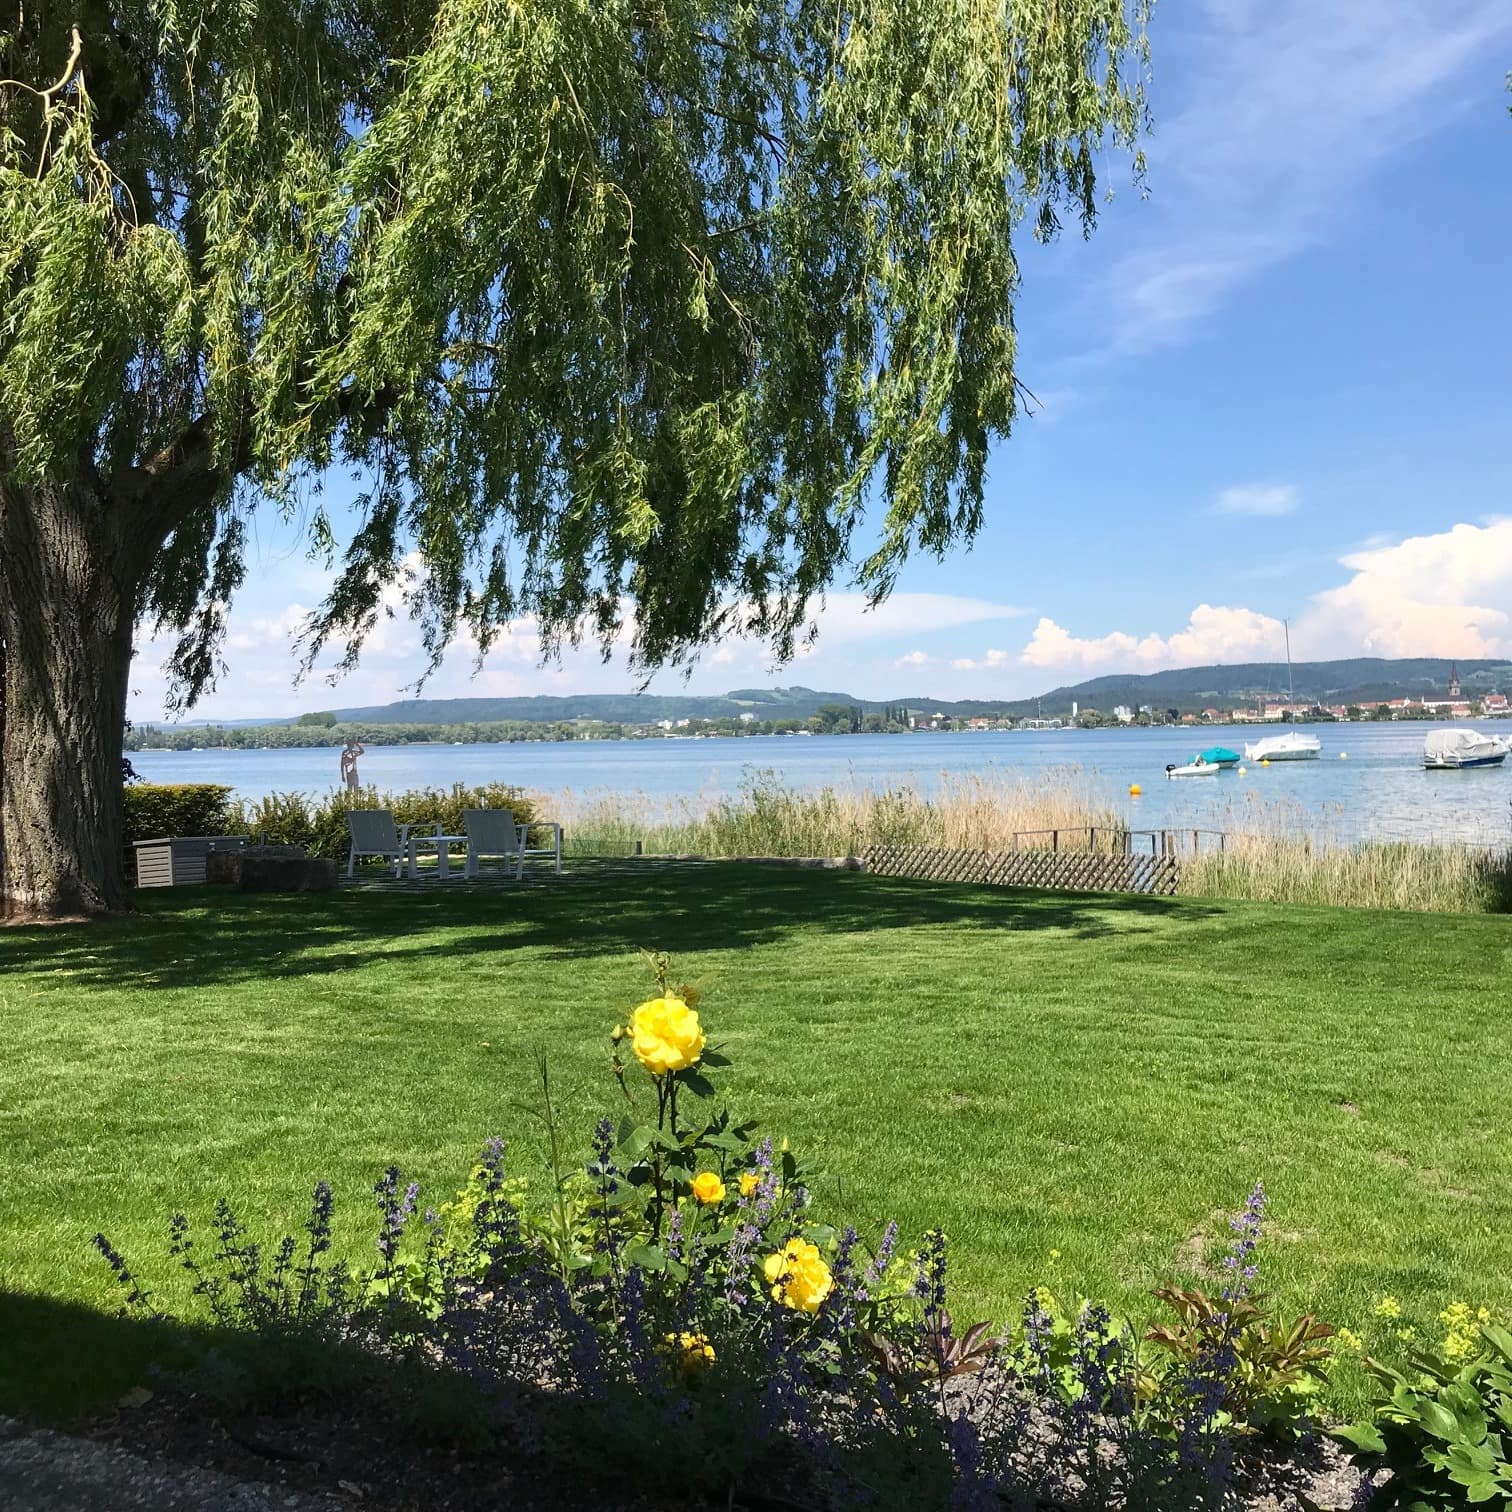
column 155, row 810
column 320, row 824
column 1443, row 1427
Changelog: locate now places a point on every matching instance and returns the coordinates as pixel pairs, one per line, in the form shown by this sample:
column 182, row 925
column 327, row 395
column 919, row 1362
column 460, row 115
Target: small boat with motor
column 1455, row 750
column 1293, row 746
column 1220, row 756
column 1196, row 767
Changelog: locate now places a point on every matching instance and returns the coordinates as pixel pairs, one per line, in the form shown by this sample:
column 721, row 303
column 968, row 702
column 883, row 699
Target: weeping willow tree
column 621, row 312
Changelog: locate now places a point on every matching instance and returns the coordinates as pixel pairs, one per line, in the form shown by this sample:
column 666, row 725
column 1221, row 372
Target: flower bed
column 680, row 1305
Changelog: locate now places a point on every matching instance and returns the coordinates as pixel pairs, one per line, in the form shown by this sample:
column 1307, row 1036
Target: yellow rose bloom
column 694, row 1354
column 708, row 1188
column 749, row 1181
column 799, row 1277
column 665, row 1035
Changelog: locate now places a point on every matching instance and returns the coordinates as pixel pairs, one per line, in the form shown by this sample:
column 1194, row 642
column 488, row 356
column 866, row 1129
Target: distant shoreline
column 212, row 737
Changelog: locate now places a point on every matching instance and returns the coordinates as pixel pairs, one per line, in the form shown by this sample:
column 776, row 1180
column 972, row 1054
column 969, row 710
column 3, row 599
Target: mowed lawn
column 1106, row 1077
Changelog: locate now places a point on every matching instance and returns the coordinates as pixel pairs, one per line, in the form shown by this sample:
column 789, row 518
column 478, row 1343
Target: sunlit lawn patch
column 1100, row 1076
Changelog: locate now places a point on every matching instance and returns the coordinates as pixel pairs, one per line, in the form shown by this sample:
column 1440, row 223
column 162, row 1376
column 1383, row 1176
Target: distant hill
column 614, row 708
column 1365, row 677
column 1359, row 679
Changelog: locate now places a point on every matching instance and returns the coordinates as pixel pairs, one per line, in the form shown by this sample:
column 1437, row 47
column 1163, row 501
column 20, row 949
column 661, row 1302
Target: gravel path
column 42, row 1471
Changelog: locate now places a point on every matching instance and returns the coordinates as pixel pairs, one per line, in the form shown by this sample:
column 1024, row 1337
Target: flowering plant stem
column 561, row 1217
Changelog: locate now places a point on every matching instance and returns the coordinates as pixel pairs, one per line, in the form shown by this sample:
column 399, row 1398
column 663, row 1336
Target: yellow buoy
column 1135, row 790
column 1264, row 762
column 1343, row 755
column 1242, row 771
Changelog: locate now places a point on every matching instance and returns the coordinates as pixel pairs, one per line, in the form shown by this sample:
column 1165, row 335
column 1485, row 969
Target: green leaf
column 647, row 1257
column 696, row 1083
column 1474, row 1467
column 1363, row 1435
column 1499, row 1339
column 714, row 1058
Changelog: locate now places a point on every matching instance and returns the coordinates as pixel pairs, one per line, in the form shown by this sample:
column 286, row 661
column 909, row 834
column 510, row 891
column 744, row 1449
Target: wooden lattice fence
column 1066, row 871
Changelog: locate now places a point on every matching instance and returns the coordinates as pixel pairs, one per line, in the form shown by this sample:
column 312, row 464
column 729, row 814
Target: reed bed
column 1441, row 878
column 1279, row 853
column 767, row 818
column 1273, row 853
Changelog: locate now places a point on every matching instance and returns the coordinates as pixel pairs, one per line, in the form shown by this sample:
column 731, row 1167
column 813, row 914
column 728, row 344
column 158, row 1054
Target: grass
column 990, row 811
column 1273, row 853
column 1105, row 1076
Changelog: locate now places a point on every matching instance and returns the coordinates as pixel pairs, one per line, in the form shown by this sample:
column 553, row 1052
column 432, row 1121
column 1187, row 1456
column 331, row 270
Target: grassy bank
column 1102, row 1076
column 1271, row 853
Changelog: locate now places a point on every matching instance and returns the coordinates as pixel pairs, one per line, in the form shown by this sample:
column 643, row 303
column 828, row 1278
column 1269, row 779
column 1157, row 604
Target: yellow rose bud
column 749, row 1181
column 665, row 1035
column 798, row 1275
column 708, row 1188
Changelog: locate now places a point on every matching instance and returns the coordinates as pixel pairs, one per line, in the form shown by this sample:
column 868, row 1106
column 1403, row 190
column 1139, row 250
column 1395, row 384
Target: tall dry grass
column 1279, row 853
column 1441, row 878
column 768, row 818
column 1273, row 853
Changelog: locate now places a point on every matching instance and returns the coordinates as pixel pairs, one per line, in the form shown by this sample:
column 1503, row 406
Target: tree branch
column 745, row 52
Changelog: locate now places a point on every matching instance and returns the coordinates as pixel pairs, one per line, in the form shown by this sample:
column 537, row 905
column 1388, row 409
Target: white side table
column 442, row 845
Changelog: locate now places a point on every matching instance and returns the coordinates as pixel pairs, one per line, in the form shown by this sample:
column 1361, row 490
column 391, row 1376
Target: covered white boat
column 1448, row 750
column 1293, row 746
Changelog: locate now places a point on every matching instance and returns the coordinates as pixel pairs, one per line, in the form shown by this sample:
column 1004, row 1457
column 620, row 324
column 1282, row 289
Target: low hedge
column 320, row 824
column 155, row 810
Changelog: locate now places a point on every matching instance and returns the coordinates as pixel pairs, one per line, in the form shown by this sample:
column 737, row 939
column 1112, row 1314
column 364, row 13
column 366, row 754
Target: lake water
column 1369, row 781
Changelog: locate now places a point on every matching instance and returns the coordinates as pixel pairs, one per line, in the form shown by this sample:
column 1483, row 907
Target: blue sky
column 1277, row 385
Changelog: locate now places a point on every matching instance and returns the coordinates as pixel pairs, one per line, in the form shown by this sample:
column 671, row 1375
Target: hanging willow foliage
column 621, row 310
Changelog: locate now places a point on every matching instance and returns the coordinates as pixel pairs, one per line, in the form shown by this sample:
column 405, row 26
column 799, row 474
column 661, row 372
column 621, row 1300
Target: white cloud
column 913, row 659
column 1431, row 595
column 264, row 630
column 991, row 658
column 1212, row 634
column 1294, row 103
column 1262, row 499
column 846, row 617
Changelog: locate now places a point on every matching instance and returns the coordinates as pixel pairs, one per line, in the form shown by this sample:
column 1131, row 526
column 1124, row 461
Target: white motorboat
column 1451, row 750
column 1197, row 767
column 1293, row 746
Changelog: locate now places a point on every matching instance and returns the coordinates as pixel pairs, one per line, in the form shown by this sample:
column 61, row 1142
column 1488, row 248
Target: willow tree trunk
column 69, row 571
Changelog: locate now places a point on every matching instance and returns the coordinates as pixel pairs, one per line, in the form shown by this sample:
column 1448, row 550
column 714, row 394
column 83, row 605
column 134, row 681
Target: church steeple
column 1454, row 688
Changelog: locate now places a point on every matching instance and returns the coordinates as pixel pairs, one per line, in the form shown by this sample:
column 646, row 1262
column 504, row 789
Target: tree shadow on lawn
column 208, row 936
column 62, row 1359
column 298, row 1416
